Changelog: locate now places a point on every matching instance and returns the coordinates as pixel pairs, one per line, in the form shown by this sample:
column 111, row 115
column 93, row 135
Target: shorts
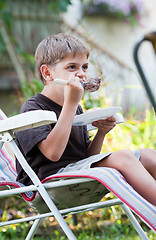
column 86, row 163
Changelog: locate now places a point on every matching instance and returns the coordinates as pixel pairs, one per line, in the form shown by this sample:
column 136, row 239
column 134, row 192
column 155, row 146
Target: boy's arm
column 104, row 126
column 54, row 145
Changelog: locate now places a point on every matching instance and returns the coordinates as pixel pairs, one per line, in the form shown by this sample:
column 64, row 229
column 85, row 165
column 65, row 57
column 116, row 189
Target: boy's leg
column 148, row 160
column 133, row 171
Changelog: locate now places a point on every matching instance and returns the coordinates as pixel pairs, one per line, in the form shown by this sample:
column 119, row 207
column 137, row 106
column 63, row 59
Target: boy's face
column 72, row 65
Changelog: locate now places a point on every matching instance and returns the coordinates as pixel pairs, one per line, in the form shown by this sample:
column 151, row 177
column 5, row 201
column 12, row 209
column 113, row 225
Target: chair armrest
column 27, row 120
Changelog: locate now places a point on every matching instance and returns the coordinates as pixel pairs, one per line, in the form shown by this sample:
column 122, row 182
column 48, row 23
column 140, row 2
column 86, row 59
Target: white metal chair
column 63, row 194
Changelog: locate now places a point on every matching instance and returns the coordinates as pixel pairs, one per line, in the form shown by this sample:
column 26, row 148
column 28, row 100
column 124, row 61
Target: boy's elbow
column 53, row 157
column 51, row 154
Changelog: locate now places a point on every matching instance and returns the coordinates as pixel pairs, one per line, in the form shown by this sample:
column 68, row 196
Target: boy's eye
column 85, row 67
column 72, row 67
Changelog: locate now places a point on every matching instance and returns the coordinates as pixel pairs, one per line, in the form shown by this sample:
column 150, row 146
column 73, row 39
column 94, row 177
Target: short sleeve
column 31, row 137
column 28, row 139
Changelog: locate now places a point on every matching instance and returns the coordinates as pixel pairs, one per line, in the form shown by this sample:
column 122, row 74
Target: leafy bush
column 30, row 88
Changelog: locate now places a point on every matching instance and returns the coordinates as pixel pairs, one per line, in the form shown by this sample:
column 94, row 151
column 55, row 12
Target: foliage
column 108, row 223
column 56, row 7
column 6, row 16
column 133, row 134
column 93, row 100
column 59, row 5
column 30, row 88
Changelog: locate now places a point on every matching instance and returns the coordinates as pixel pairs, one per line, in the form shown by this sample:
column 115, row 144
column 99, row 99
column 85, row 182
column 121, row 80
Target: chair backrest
column 7, row 161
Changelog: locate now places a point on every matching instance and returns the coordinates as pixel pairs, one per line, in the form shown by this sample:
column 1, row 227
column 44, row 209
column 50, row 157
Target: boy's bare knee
column 120, row 159
column 124, row 156
column 148, row 158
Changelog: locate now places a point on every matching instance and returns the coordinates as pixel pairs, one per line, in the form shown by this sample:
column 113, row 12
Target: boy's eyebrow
column 76, row 63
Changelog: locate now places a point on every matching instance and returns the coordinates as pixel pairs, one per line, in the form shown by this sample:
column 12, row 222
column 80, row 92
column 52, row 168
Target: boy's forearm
column 96, row 145
column 104, row 126
column 55, row 143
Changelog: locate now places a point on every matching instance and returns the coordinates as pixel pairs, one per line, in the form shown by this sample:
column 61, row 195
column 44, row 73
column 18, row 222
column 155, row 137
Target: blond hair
column 56, row 47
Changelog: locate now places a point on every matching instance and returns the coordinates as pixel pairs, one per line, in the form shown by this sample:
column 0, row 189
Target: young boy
column 60, row 147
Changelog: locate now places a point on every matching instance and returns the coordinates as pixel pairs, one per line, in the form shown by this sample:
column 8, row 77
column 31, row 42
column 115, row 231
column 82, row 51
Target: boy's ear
column 46, row 72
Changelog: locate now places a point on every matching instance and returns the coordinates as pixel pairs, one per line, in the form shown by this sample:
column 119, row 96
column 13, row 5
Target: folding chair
column 68, row 193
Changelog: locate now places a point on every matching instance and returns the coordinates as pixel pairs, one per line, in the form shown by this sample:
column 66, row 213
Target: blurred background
column 111, row 29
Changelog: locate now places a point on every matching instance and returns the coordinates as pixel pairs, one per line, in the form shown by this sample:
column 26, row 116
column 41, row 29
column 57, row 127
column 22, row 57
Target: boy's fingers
column 111, row 119
column 103, row 123
column 107, row 120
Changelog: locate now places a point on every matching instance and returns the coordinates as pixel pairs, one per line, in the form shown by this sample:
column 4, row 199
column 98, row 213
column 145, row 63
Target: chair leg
column 134, row 222
column 75, row 219
column 42, row 191
column 33, row 229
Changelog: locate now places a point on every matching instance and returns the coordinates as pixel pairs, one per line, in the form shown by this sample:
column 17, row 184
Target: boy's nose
column 80, row 74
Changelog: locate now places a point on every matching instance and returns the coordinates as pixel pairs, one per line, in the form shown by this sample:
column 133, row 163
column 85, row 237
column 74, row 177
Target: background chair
column 150, row 37
column 62, row 194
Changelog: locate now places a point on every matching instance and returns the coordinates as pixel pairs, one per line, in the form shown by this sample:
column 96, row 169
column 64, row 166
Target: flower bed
column 127, row 10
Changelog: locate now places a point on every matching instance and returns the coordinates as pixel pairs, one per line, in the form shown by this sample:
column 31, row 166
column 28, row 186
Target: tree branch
column 11, row 52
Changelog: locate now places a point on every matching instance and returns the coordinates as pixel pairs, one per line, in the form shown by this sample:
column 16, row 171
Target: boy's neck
column 53, row 95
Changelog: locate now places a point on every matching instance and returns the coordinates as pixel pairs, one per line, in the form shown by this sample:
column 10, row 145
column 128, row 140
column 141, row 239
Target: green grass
column 114, row 231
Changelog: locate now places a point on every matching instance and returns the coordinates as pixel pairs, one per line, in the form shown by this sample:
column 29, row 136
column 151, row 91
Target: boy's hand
column 73, row 90
column 105, row 125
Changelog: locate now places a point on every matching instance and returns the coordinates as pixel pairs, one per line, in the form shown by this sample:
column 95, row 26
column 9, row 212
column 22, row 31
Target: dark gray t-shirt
column 27, row 141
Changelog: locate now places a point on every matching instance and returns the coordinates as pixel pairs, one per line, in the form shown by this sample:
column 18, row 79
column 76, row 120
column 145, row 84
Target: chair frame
column 8, row 136
column 150, row 37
